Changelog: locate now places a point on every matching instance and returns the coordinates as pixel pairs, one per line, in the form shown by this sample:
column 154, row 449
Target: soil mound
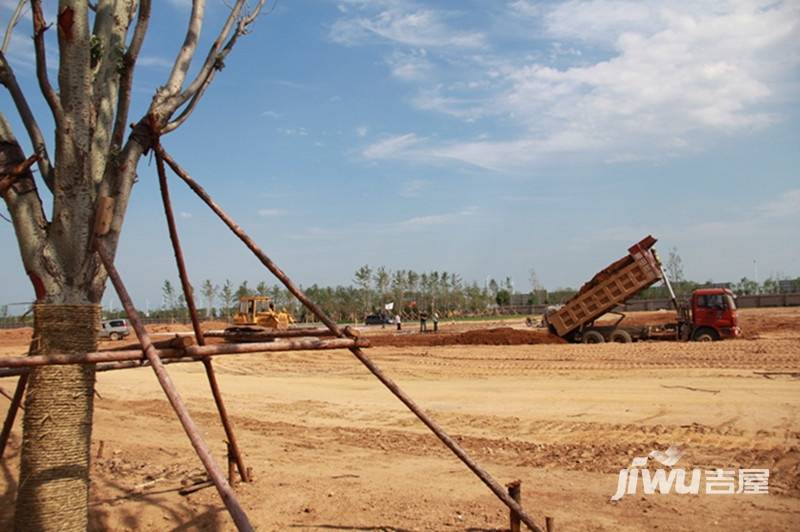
column 498, row 336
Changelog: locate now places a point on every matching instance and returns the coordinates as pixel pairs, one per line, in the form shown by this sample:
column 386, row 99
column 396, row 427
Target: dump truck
column 709, row 315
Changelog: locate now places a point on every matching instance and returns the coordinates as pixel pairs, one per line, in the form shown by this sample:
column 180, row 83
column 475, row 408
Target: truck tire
column 114, row 336
column 620, row 336
column 593, row 337
column 705, row 334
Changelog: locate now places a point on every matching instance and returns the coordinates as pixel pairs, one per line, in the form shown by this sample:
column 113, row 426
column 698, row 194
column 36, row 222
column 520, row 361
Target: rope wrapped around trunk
column 57, row 423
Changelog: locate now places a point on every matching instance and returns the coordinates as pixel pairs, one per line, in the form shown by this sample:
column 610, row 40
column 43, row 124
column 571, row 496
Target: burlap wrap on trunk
column 57, row 423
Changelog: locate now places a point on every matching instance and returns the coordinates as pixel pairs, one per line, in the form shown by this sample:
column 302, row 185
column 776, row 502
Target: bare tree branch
column 108, row 41
column 11, row 24
column 184, row 59
column 211, row 58
column 27, row 215
column 8, row 79
column 39, row 27
column 9, row 174
column 214, row 62
column 126, row 79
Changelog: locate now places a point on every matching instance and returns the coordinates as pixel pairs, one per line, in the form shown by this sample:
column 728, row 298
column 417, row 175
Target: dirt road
column 332, row 450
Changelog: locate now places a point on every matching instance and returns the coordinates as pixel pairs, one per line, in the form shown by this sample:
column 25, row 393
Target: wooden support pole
column 233, row 446
column 231, row 459
column 188, row 295
column 550, row 524
column 203, row 452
column 196, row 352
column 515, row 491
column 276, row 333
column 16, row 402
column 448, row 441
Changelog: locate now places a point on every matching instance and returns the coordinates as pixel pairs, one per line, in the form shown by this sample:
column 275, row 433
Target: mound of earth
column 498, row 336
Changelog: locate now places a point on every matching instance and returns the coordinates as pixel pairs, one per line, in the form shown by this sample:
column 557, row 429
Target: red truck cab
column 714, row 315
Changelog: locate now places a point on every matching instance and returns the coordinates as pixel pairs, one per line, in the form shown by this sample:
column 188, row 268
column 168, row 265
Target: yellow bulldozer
column 257, row 314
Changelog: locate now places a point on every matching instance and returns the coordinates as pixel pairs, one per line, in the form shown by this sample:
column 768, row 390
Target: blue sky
column 484, row 138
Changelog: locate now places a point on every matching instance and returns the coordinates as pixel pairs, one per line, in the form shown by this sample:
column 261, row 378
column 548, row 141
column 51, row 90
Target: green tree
column 536, row 288
column 227, row 296
column 399, row 284
column 746, row 287
column 503, row 297
column 262, row 288
column 243, row 291
column 169, row 298
column 493, row 288
column 363, row 279
column 382, row 281
column 210, row 292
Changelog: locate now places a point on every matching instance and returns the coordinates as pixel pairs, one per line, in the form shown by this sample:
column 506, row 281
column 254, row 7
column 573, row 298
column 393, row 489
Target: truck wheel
column 621, row 336
column 114, row 336
column 593, row 337
column 705, row 335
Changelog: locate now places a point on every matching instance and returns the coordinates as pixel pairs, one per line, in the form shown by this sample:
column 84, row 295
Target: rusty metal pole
column 515, row 491
column 188, row 294
column 15, row 405
column 451, row 444
column 203, row 452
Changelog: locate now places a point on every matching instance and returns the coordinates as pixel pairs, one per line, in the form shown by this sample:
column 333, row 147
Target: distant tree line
column 407, row 292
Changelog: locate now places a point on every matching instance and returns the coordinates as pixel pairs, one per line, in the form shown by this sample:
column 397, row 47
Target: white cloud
column 293, row 131
column 268, row 213
column 185, row 214
column 669, row 79
column 413, row 187
column 362, row 131
column 403, row 23
column 418, row 223
column 787, row 204
column 392, row 147
column 269, row 113
column 410, row 66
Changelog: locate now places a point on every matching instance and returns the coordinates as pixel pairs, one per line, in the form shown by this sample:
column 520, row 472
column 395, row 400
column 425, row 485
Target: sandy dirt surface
column 331, row 449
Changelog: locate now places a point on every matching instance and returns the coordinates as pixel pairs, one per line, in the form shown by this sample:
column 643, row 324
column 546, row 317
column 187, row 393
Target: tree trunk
column 57, row 423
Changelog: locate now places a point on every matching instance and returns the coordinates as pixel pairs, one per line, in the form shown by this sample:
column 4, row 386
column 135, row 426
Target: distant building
column 788, row 287
column 720, row 285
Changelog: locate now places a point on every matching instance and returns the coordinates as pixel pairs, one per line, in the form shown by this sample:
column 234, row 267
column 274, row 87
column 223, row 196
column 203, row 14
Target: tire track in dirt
column 512, row 361
column 578, row 445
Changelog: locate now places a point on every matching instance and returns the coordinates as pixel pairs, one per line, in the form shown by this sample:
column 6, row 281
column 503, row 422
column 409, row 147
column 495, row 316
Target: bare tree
column 90, row 172
column 363, row 279
column 674, row 268
column 210, row 291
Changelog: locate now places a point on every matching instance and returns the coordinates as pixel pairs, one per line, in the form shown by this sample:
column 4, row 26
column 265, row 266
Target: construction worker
column 397, row 321
column 423, row 321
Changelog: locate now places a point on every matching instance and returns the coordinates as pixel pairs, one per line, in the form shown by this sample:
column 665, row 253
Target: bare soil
column 331, row 449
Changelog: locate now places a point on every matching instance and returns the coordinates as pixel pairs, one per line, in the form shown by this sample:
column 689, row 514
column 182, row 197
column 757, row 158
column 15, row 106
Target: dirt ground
column 331, row 449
